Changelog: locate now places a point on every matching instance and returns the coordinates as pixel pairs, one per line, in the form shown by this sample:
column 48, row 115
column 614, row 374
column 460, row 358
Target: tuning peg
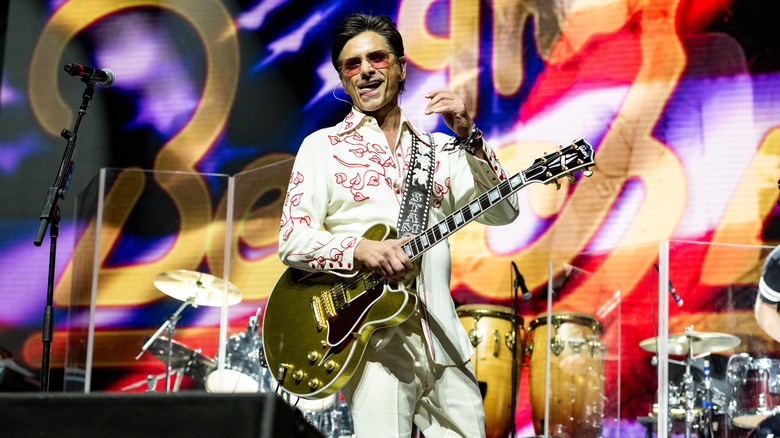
column 572, row 179
column 587, row 172
column 557, row 184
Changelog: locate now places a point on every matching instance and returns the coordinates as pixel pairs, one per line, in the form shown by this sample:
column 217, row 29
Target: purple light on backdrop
column 8, row 94
column 15, row 152
column 293, row 41
column 145, row 60
column 254, row 18
column 27, row 267
column 329, row 80
column 706, row 140
column 766, row 98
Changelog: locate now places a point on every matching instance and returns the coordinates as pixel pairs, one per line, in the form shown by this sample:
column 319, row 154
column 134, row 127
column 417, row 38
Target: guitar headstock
column 563, row 162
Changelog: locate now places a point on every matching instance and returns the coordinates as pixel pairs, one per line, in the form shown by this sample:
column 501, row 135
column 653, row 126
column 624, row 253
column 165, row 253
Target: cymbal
column 196, row 365
column 700, row 342
column 206, row 288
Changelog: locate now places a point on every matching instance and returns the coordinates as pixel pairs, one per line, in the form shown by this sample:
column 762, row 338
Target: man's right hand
column 386, row 258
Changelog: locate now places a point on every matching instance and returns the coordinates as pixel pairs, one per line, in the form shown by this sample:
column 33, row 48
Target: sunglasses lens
column 377, row 59
column 351, row 66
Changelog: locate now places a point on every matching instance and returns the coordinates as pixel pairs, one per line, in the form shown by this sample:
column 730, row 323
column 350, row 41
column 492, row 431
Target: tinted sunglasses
column 377, row 59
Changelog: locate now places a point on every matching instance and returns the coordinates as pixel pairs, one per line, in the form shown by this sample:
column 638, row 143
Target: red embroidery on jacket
column 292, row 200
column 357, row 181
column 439, row 191
column 335, row 257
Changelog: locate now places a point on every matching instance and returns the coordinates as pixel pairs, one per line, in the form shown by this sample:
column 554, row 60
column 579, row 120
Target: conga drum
column 492, row 336
column 576, row 374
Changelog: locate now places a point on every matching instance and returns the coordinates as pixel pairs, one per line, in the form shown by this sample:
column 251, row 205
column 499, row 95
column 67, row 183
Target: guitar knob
column 330, row 365
column 557, row 184
column 587, row 172
column 314, row 383
column 298, row 375
column 572, row 179
column 313, row 356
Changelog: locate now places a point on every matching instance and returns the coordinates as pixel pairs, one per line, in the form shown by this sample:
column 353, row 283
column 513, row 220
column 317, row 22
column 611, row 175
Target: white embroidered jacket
column 345, row 180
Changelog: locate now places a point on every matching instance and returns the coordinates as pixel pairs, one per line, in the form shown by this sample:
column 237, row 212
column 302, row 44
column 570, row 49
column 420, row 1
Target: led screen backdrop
column 678, row 97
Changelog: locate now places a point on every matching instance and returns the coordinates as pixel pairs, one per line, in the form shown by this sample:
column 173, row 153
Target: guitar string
column 364, row 277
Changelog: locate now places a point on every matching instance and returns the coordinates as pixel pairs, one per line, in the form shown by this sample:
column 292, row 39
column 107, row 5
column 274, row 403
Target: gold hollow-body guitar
column 317, row 325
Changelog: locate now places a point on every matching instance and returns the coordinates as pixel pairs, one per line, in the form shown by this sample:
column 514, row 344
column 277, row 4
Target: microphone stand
column 51, row 214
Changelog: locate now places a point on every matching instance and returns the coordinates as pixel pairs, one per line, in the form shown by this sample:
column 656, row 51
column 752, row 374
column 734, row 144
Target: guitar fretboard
column 457, row 220
column 545, row 169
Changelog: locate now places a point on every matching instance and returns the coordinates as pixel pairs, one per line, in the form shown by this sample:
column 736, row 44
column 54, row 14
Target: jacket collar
column 355, row 118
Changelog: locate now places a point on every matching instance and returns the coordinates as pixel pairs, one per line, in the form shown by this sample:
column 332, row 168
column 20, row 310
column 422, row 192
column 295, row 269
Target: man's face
column 374, row 84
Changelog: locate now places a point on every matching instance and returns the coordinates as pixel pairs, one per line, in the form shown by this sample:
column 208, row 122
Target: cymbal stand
column 151, row 381
column 688, row 387
column 170, row 326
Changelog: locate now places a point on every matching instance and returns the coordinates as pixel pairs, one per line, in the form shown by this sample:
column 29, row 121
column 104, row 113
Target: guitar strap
column 417, row 188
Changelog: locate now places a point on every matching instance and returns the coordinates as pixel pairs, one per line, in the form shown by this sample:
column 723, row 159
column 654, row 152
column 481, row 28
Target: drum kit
column 245, row 369
column 741, row 403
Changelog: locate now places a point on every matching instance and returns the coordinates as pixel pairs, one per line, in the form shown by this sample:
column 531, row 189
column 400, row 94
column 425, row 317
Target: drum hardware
column 246, row 369
column 474, row 336
column 14, row 377
column 330, row 415
column 557, row 345
column 509, row 339
column 150, row 381
column 184, row 361
column 576, row 345
column 189, row 362
column 594, row 345
column 693, row 345
column 195, row 289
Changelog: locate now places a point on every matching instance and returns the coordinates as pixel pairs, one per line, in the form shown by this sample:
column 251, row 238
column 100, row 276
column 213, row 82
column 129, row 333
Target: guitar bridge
column 323, row 308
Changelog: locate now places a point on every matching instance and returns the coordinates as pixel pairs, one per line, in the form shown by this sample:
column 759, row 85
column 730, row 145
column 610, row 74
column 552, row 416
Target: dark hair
column 355, row 24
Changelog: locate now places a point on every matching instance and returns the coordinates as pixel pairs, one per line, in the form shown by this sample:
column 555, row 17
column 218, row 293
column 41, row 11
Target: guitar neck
column 545, row 170
column 415, row 247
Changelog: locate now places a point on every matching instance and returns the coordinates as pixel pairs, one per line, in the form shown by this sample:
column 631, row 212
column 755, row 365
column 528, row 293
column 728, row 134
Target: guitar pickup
column 323, row 308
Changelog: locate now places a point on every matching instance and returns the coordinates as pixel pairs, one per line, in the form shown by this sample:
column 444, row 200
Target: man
column 769, row 296
column 351, row 176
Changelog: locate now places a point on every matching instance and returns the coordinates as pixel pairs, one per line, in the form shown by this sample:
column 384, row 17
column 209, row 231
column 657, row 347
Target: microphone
column 677, row 298
column 520, row 282
column 104, row 77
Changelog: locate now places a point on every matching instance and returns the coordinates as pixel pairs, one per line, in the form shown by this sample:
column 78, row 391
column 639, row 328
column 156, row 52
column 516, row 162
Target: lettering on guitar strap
column 417, row 188
column 413, row 226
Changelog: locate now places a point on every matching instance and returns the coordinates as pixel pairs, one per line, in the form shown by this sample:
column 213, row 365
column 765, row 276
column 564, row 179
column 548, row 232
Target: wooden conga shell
column 576, row 374
column 490, row 330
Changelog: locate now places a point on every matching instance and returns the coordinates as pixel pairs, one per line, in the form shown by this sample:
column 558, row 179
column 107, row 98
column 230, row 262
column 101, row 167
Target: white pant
column 400, row 384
